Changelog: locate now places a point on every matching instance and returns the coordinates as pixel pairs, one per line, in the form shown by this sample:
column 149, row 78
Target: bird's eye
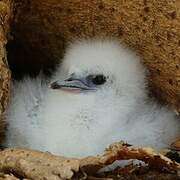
column 97, row 79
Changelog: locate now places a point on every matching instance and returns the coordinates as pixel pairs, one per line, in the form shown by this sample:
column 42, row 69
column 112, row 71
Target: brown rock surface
column 43, row 27
column 5, row 12
column 27, row 164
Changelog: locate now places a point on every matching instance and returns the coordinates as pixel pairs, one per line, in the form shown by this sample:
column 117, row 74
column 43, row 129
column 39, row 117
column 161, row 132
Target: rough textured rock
column 37, row 165
column 43, row 27
column 26, row 164
column 5, row 12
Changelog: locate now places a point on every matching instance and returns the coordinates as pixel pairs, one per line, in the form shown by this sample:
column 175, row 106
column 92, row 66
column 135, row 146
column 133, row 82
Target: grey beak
column 71, row 84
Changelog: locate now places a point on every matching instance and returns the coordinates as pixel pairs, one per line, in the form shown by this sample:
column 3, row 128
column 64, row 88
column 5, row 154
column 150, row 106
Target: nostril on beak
column 70, row 79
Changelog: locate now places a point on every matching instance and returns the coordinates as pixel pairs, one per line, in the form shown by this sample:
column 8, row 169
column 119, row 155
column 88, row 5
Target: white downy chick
column 97, row 97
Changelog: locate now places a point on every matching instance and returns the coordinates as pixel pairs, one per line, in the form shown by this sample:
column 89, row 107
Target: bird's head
column 92, row 66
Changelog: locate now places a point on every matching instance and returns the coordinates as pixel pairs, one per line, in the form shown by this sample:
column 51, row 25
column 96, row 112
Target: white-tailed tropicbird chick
column 97, row 97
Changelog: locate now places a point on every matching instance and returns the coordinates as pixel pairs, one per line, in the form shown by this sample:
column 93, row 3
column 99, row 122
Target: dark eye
column 98, row 79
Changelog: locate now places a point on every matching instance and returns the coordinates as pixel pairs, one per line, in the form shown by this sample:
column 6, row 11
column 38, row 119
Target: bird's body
column 104, row 100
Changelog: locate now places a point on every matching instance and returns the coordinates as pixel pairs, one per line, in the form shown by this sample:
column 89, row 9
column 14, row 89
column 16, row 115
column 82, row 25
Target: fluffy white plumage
column 79, row 122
